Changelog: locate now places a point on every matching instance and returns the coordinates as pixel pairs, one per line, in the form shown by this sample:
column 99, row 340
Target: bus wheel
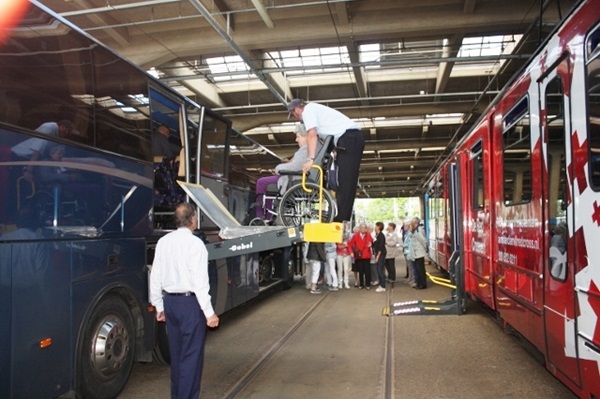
column 107, row 350
column 290, row 266
column 161, row 354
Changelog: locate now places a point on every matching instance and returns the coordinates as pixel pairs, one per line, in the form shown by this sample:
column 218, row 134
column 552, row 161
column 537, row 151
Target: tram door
column 559, row 307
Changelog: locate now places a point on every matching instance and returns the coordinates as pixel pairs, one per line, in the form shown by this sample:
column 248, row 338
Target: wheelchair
column 297, row 206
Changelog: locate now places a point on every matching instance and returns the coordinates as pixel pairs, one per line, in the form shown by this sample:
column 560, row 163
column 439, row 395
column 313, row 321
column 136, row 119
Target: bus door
column 167, row 112
column 559, row 299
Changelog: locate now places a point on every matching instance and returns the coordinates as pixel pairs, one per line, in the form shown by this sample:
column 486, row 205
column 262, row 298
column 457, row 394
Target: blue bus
column 84, row 199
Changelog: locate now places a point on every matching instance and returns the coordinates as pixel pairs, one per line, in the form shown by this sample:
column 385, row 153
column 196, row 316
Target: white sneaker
column 347, row 287
column 380, row 289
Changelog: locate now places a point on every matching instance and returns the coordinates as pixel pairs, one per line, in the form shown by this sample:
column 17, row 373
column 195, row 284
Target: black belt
column 179, row 293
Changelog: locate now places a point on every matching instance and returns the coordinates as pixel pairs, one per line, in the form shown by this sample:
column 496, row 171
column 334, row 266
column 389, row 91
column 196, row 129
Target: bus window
column 517, row 154
column 593, row 104
column 122, row 107
column 214, row 144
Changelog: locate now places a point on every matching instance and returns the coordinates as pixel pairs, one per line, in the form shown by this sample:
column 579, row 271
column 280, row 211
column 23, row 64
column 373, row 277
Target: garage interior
column 414, row 75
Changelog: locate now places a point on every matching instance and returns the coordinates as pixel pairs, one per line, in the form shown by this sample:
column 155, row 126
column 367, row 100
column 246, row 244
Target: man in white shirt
column 179, row 287
column 322, row 121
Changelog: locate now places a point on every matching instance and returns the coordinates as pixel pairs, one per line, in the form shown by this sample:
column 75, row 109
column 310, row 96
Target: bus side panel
column 100, row 266
column 6, row 314
column 40, row 310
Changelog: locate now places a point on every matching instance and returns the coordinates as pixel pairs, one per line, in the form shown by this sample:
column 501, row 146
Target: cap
column 293, row 104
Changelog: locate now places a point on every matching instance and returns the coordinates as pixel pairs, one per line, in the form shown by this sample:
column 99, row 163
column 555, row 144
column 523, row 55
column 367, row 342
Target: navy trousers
column 349, row 155
column 186, row 328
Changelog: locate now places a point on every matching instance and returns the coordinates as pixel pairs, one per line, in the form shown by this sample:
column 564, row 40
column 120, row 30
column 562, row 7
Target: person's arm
column 156, row 298
column 297, row 161
column 198, row 267
column 311, row 144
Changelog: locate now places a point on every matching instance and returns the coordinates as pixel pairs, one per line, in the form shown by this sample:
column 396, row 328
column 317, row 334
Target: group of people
column 370, row 254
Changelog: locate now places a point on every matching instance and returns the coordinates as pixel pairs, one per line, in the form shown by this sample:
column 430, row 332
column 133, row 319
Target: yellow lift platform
column 318, row 231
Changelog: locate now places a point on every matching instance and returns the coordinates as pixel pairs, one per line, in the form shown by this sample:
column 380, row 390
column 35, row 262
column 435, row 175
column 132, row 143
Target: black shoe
column 406, row 276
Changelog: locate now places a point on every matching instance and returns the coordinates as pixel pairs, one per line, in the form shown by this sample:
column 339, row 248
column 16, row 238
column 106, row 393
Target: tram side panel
column 475, row 161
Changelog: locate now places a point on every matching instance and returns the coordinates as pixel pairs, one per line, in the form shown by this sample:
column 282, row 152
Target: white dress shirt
column 327, row 121
column 180, row 265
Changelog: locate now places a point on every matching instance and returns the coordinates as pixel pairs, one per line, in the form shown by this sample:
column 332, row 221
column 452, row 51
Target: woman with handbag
column 361, row 243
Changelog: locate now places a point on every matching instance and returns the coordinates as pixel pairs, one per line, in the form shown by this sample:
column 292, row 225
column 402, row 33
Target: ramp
column 238, row 239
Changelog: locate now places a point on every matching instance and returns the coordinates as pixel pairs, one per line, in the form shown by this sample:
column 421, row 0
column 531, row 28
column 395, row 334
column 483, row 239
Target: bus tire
column 161, row 354
column 107, row 350
column 289, row 268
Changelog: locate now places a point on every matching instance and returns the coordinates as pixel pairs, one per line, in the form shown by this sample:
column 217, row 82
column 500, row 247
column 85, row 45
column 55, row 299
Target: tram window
column 593, row 105
column 554, row 125
column 214, row 141
column 478, row 181
column 517, row 155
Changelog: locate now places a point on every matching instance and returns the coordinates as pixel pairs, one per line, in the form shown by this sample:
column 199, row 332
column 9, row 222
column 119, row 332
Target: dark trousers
column 351, row 146
column 186, row 325
column 364, row 272
column 420, row 277
column 390, row 266
column 381, row 272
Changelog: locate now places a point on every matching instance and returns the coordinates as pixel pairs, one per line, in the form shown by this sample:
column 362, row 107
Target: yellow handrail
column 441, row 281
column 308, row 190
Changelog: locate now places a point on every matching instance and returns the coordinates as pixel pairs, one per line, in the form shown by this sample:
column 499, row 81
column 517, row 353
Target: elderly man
column 324, row 121
column 179, row 288
column 418, row 250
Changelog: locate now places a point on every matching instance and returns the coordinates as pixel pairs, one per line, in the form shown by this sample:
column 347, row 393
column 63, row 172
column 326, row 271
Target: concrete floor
column 339, row 351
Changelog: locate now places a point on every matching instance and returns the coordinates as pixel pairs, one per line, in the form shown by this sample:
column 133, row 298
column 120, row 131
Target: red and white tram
column 521, row 193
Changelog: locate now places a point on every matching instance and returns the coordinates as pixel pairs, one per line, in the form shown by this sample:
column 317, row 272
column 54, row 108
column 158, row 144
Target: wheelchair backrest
column 322, row 158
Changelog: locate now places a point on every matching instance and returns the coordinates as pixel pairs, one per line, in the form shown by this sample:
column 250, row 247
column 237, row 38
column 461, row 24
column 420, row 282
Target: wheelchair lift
column 318, row 231
column 453, row 305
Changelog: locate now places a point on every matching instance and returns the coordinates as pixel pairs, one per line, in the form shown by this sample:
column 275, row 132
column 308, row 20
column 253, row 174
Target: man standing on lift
column 324, row 121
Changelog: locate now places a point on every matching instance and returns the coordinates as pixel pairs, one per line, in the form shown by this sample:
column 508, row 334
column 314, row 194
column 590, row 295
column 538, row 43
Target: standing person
column 324, row 121
column 360, row 244
column 373, row 262
column 179, row 288
column 391, row 251
column 379, row 252
column 344, row 262
column 315, row 255
column 418, row 249
column 410, row 264
column 331, row 274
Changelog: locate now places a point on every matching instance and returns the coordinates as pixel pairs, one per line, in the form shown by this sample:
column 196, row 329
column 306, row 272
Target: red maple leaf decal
column 578, row 162
column 595, row 305
column 596, row 213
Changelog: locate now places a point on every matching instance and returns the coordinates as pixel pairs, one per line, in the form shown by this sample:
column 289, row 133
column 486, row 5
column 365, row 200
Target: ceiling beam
column 469, row 6
column 237, row 49
column 445, row 69
column 249, row 121
column 120, row 35
column 360, row 77
column 264, row 15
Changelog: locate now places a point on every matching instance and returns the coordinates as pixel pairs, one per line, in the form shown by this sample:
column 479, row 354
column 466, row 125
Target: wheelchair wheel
column 298, row 206
column 257, row 222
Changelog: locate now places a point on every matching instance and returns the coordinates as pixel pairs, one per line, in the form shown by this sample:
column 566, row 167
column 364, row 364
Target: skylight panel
column 308, row 60
column 230, row 67
column 486, row 45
